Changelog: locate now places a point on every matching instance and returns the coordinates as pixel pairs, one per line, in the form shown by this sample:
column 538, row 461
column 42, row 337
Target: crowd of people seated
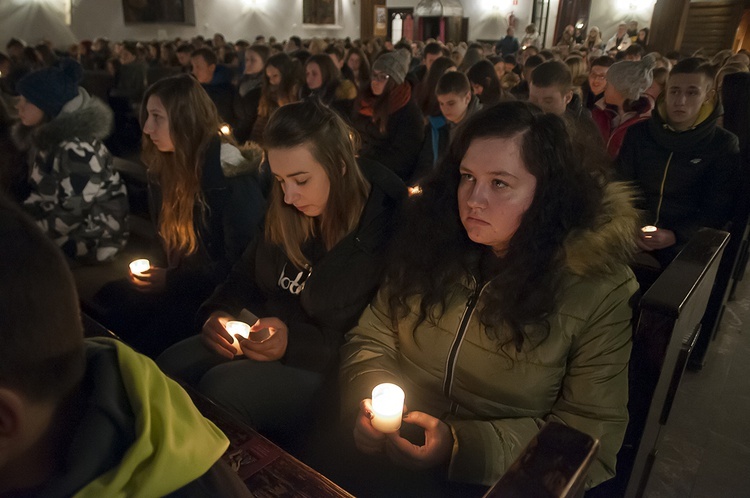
column 457, row 219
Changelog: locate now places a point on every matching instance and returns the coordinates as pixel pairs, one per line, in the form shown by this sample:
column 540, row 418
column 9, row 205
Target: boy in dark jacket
column 685, row 166
column 87, row 417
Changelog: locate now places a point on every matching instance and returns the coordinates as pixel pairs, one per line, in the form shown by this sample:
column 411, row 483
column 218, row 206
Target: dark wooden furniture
column 668, row 323
column 267, row 470
column 553, row 465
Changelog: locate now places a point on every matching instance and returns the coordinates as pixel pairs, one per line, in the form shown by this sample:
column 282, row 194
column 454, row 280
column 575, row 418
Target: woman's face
column 273, row 75
column 253, row 62
column 312, row 76
column 354, row 63
column 494, row 192
column 303, row 179
column 157, row 125
column 378, row 82
column 28, row 113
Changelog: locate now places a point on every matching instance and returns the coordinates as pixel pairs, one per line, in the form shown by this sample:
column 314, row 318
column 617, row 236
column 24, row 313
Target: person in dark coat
column 508, row 45
column 216, row 79
column 249, row 89
column 389, row 122
column 207, row 207
column 685, row 166
column 308, row 278
column 324, row 81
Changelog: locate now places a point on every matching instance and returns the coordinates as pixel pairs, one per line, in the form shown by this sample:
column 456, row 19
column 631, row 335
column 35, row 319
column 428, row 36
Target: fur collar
column 611, row 241
column 84, row 118
column 240, row 161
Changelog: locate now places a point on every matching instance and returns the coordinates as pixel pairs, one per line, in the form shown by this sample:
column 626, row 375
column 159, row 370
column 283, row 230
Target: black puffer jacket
column 687, row 178
column 321, row 304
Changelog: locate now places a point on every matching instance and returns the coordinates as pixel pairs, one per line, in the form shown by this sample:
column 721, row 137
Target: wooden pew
column 665, row 331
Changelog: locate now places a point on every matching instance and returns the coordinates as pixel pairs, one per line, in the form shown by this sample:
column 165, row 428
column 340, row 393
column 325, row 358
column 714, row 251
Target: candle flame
column 415, row 190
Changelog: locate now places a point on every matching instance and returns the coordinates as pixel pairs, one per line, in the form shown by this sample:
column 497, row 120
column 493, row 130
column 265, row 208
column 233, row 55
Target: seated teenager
column 388, row 121
column 624, row 102
column 207, row 206
column 593, row 88
column 456, row 102
column 249, row 90
column 323, row 80
column 506, row 305
column 485, row 83
column 88, row 418
column 685, row 166
column 216, row 80
column 76, row 196
column 281, row 85
column 308, row 279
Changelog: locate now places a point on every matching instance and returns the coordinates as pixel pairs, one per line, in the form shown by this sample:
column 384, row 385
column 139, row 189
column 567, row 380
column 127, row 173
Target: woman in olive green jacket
column 505, row 313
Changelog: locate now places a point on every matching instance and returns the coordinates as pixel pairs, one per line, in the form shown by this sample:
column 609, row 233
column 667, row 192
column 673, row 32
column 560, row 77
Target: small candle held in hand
column 234, row 328
column 387, row 407
column 139, row 266
column 648, row 230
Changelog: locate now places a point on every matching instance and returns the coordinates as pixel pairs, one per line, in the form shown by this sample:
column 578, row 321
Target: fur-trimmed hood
column 611, row 242
column 85, row 118
column 243, row 160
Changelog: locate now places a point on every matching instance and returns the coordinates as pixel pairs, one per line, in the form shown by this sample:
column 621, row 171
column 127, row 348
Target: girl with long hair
column 323, row 81
column 250, row 89
column 206, row 205
column 428, row 103
column 505, row 305
column 308, row 278
column 357, row 61
column 282, row 80
column 485, row 83
column 387, row 118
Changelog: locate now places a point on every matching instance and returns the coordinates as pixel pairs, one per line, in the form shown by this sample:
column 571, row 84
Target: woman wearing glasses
column 388, row 121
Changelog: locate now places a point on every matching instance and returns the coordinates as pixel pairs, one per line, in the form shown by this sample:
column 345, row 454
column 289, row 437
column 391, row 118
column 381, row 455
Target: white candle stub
column 235, row 328
column 648, row 230
column 387, row 407
column 139, row 266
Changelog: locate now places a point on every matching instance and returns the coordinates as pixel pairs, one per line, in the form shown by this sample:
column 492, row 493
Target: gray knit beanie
column 632, row 78
column 394, row 64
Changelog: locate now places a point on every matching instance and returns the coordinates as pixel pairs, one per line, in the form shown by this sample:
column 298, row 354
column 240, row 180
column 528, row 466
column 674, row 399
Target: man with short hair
column 456, row 101
column 593, row 88
column 509, row 44
column 684, row 164
column 217, row 81
column 184, row 51
column 87, row 417
column 551, row 87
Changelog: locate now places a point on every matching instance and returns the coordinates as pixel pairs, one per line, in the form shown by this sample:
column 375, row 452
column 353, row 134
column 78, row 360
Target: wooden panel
column 710, row 27
column 367, row 17
column 668, row 24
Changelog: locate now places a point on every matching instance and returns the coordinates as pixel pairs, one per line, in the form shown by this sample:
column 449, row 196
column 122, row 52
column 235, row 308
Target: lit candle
column 415, row 190
column 648, row 230
column 225, row 130
column 237, row 328
column 387, row 407
column 139, row 266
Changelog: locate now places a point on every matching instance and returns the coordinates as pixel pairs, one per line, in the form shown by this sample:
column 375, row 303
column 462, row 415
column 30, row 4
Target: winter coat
column 688, row 178
column 625, row 42
column 398, row 148
column 613, row 134
column 135, row 423
column 496, row 400
column 320, row 303
column 249, row 91
column 77, row 197
column 234, row 213
column 222, row 93
column 437, row 137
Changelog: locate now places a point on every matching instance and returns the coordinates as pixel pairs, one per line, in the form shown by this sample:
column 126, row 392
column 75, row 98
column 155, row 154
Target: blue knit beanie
column 52, row 87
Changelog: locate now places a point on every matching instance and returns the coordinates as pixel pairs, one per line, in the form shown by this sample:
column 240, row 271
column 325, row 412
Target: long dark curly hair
column 432, row 252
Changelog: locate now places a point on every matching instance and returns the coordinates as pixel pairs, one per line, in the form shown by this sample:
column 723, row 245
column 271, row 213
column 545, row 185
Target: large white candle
column 387, row 407
column 138, row 266
column 237, row 328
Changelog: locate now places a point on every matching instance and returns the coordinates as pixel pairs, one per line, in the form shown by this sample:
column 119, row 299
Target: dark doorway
column 571, row 12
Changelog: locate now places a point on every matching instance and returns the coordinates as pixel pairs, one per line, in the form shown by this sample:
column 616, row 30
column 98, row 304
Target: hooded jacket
column 139, row 434
column 496, row 400
column 321, row 303
column 613, row 133
column 76, row 196
column 687, row 179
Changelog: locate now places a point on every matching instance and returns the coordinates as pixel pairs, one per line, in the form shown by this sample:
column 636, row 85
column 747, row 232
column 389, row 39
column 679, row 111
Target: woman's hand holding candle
column 270, row 349
column 652, row 238
column 437, row 448
column 215, row 336
column 152, row 279
column 368, row 439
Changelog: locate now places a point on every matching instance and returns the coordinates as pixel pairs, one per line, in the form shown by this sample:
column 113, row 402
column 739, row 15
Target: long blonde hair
column 193, row 124
column 333, row 145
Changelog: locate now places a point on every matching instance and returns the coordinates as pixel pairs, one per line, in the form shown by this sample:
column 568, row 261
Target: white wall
column 488, row 19
column 36, row 19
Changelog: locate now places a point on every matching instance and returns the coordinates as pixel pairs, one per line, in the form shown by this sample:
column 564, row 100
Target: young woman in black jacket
column 308, row 279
